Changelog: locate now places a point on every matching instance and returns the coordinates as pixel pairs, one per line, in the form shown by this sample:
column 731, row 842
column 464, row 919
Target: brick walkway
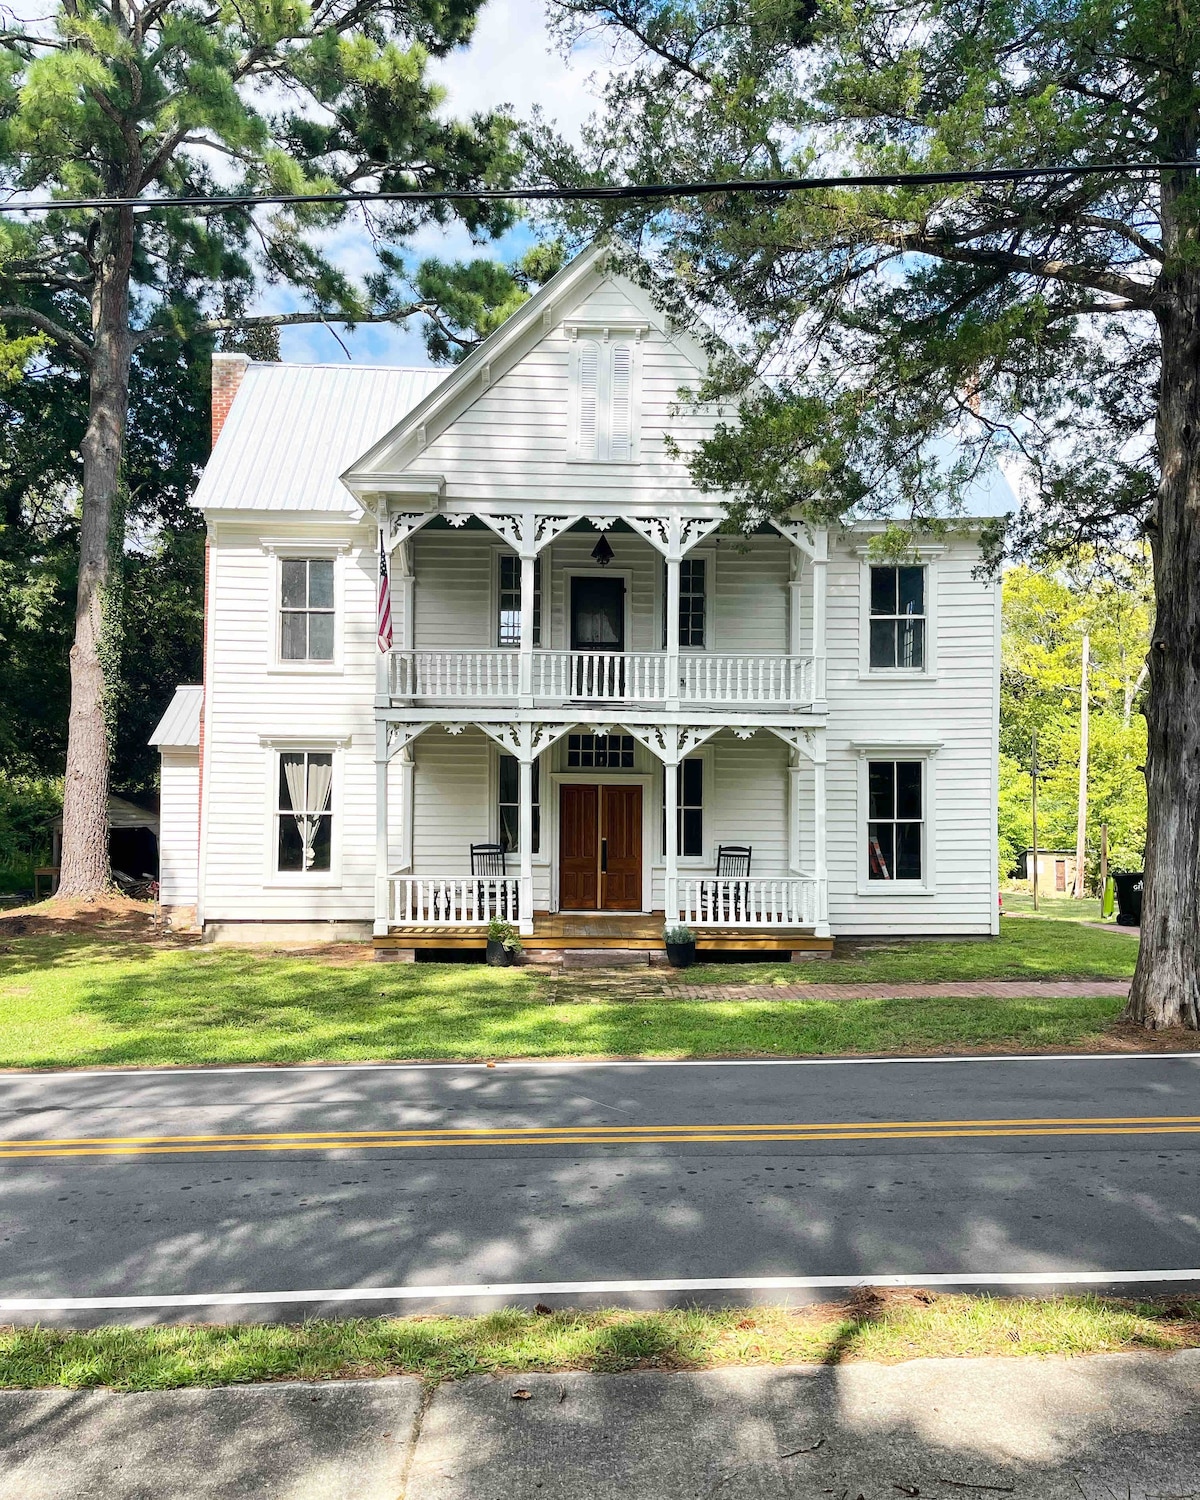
column 996, row 989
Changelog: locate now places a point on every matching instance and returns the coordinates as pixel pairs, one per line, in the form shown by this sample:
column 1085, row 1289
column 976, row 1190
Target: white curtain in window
column 308, row 800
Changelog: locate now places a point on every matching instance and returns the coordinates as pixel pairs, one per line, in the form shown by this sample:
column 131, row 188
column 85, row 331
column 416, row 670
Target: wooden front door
column 600, row 848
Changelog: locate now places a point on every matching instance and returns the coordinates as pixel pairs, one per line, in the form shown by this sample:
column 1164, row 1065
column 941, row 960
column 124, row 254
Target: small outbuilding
column 1055, row 869
column 132, row 841
column 177, row 737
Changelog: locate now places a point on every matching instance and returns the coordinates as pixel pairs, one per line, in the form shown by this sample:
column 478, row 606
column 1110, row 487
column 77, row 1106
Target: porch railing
column 453, row 675
column 605, row 677
column 784, row 901
column 452, row 900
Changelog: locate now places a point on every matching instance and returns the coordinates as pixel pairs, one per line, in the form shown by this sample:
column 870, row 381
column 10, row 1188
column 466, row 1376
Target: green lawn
column 87, row 1001
column 1060, row 908
column 512, row 1341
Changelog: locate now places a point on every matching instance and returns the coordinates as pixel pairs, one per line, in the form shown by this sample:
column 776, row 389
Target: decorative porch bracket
column 670, row 743
column 673, row 536
column 526, row 741
column 526, row 532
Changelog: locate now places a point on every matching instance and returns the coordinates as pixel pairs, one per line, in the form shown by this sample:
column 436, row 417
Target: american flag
column 384, row 612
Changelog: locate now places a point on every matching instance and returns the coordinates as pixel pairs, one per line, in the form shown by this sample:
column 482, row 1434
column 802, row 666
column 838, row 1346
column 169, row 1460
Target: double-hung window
column 895, row 820
column 306, row 609
column 693, row 582
column 509, row 801
column 304, row 812
column 508, row 621
column 898, row 619
column 604, row 399
column 689, row 783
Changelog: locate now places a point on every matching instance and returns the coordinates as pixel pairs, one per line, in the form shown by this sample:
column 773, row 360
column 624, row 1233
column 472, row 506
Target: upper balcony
column 690, row 680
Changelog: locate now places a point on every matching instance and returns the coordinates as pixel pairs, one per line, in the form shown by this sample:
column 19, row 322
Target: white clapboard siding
column 954, row 705
column 179, row 827
column 248, row 700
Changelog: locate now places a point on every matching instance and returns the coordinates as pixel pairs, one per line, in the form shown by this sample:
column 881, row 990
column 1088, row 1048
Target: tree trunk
column 85, row 868
column 1166, row 984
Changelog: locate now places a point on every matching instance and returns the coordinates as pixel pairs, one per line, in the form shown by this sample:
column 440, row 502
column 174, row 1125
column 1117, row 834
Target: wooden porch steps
column 631, row 932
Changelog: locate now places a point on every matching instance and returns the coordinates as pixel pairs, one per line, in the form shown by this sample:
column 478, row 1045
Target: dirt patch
column 113, row 916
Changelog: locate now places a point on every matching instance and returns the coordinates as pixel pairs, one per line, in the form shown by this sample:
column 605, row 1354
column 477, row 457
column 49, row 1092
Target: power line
column 600, row 193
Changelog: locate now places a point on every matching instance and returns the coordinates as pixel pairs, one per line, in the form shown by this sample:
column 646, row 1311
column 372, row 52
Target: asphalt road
column 275, row 1192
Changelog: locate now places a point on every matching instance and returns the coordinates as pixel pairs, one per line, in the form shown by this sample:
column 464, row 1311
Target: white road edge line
column 577, row 1288
column 15, row 1075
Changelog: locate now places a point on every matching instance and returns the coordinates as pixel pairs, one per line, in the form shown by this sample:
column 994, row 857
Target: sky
column 511, row 61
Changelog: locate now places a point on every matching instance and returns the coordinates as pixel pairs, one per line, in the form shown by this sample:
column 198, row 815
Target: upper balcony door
column 598, row 635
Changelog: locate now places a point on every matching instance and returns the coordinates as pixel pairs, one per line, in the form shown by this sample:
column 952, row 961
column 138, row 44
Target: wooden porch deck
column 639, row 932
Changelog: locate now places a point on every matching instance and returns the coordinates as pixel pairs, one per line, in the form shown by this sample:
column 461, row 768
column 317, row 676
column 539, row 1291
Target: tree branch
column 78, row 347
column 280, row 320
column 1126, row 231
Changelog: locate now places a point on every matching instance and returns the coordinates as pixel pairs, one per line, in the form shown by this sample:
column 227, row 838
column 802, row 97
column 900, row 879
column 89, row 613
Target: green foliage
column 28, row 806
column 912, row 336
column 1045, row 615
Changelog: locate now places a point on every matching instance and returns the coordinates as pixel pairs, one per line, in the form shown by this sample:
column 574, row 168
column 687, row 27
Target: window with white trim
column 304, row 812
column 689, row 784
column 693, row 574
column 509, row 805
column 508, row 621
column 604, row 400
column 895, row 819
column 898, row 618
column 604, row 752
column 306, row 609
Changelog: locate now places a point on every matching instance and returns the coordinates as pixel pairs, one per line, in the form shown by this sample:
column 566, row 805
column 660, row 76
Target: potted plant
column 681, row 945
column 503, row 944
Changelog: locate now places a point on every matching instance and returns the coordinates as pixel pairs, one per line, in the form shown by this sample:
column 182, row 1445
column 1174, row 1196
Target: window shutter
column 589, row 398
column 620, row 445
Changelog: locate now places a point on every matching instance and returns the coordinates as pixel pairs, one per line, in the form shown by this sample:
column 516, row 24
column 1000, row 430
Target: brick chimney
column 227, row 372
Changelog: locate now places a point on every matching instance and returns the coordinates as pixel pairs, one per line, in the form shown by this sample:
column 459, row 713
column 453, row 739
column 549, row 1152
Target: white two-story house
column 595, row 711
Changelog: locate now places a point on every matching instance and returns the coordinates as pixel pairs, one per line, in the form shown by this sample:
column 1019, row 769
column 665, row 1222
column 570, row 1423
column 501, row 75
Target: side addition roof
column 292, row 429
column 179, row 727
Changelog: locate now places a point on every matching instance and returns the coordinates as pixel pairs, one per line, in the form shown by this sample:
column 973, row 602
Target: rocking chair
column 733, row 863
column 488, row 860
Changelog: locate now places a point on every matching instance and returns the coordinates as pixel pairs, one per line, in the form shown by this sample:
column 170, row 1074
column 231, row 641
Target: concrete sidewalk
column 1094, row 1428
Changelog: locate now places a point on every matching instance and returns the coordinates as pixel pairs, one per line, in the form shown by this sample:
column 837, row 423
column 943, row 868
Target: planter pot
column 497, row 954
column 681, row 955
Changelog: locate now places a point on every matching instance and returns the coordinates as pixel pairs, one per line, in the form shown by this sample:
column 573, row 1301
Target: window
column 508, row 627
column 689, row 783
column 510, row 805
column 692, row 574
column 599, row 752
column 605, row 405
column 895, row 819
column 898, row 618
column 306, row 609
column 304, row 834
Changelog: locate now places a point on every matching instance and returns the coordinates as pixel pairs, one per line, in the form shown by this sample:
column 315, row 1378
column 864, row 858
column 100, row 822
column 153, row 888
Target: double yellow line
column 598, row 1135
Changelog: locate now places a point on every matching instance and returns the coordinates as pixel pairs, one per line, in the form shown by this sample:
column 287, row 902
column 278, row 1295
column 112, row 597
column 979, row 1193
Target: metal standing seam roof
column 179, row 727
column 293, row 429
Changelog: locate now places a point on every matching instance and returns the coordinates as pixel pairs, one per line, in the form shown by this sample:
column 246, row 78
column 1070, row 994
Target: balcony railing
column 786, row 901
column 604, row 677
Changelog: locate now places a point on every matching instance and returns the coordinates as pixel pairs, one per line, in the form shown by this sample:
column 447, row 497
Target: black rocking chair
column 488, row 859
column 733, row 863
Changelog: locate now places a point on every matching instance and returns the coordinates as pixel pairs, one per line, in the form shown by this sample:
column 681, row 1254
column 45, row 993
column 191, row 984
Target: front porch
column 557, row 932
column 601, row 834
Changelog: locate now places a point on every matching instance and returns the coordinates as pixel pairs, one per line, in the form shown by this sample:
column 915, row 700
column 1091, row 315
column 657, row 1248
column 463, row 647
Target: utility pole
column 1033, row 781
column 1081, row 816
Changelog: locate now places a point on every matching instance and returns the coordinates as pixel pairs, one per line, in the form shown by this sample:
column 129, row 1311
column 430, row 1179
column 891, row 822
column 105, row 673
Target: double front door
column 600, row 848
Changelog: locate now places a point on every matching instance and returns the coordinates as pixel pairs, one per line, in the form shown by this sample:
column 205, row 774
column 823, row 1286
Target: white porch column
column 525, row 837
column 528, row 566
column 672, row 608
column 795, row 603
column 671, row 806
column 382, row 894
column 404, row 606
column 820, row 860
column 820, row 565
column 794, row 805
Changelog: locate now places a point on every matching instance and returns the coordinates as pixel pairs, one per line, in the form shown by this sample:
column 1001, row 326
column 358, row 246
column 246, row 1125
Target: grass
column 1057, row 908
column 874, row 1327
column 89, row 1001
